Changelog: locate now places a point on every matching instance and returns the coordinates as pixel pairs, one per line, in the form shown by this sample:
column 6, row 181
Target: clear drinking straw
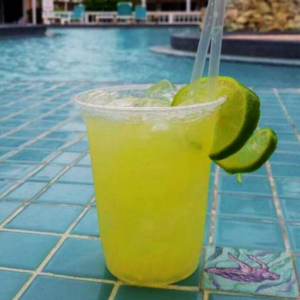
column 215, row 50
column 213, row 26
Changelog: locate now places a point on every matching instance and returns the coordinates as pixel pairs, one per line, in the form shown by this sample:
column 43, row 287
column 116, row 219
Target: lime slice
column 237, row 118
column 253, row 155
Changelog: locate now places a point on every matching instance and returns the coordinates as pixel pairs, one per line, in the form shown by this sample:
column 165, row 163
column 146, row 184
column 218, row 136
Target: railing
column 160, row 17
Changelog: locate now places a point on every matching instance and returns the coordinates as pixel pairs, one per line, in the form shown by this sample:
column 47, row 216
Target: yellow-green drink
column 151, row 176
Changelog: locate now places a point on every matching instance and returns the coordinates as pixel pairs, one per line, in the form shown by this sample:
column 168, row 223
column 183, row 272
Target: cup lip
column 97, row 107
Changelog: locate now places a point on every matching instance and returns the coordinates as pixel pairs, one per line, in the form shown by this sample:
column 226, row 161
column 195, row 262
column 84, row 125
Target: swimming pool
column 117, row 55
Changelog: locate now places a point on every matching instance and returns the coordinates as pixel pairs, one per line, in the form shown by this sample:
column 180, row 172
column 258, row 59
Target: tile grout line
column 27, row 203
column 115, row 290
column 214, row 207
column 11, row 103
column 287, row 115
column 51, row 254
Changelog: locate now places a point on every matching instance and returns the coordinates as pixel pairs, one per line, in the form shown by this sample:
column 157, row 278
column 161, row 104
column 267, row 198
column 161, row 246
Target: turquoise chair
column 78, row 13
column 140, row 13
column 124, row 11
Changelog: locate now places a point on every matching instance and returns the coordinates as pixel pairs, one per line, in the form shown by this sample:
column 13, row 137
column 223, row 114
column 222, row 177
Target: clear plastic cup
column 151, row 175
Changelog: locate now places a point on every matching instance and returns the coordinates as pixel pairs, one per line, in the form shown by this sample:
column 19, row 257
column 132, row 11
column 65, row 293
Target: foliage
column 101, row 5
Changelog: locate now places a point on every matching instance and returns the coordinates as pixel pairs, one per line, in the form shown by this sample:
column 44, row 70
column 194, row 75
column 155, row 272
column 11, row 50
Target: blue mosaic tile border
column 49, row 237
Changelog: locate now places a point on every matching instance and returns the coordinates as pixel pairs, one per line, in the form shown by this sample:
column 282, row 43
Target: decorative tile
column 286, row 170
column 246, row 207
column 11, row 282
column 47, row 173
column 65, row 158
column 26, row 191
column 240, row 233
column 291, row 209
column 232, row 297
column 31, row 156
column 17, row 249
column 15, row 171
column 6, row 209
column 50, row 288
column 85, row 161
column 48, row 218
column 255, row 185
column 47, row 145
column 294, row 236
column 288, row 188
column 88, row 225
column 257, row 272
column 68, row 194
column 139, row 293
column 80, row 258
column 78, row 175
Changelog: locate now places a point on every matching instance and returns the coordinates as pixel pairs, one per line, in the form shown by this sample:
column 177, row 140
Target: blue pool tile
column 6, row 209
column 68, row 194
column 17, row 249
column 252, row 235
column 297, row 259
column 54, row 118
column 78, row 175
column 289, row 147
column 81, row 146
column 26, row 191
column 286, row 170
column 288, row 188
column 232, row 297
column 61, row 135
column 291, row 209
column 4, row 152
column 74, row 126
column 294, row 236
column 65, row 158
column 246, row 207
column 27, row 134
column 286, row 157
column 80, row 258
column 31, row 156
column 5, row 185
column 47, row 145
column 286, row 137
column 88, row 225
column 11, row 143
column 48, row 218
column 51, row 288
column 15, row 171
column 139, row 293
column 255, row 185
column 41, row 124
column 47, row 173
column 207, row 229
column 10, row 124
column 11, row 283
column 85, row 161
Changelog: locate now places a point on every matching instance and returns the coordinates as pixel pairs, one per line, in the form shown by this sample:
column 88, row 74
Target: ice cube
column 99, row 97
column 139, row 102
column 164, row 90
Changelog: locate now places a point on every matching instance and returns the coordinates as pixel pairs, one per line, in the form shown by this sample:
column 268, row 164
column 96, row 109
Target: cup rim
column 99, row 107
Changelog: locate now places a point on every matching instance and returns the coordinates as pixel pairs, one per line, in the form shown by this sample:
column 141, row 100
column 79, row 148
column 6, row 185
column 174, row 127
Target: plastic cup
column 151, row 176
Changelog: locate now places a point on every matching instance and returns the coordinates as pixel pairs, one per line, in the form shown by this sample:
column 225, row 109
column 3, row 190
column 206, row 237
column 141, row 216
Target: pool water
column 117, row 55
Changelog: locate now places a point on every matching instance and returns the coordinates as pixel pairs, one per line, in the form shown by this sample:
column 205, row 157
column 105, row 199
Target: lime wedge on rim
column 253, row 155
column 237, row 117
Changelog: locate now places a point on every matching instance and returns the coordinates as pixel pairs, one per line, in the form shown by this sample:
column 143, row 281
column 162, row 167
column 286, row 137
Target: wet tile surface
column 49, row 223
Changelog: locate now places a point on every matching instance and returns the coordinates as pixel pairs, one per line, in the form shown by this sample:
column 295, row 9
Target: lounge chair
column 124, row 10
column 140, row 13
column 78, row 13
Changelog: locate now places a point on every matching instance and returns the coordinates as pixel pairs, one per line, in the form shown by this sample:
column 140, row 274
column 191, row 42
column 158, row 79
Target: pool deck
column 50, row 247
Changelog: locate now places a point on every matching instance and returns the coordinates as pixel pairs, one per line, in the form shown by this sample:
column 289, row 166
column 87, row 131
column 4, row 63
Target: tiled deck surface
column 49, row 245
